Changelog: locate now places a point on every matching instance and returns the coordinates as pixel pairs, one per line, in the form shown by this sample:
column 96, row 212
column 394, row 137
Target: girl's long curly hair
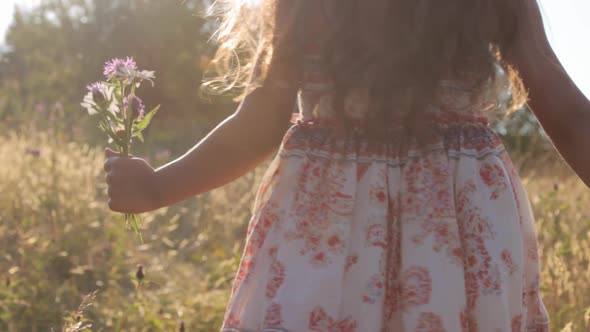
column 399, row 50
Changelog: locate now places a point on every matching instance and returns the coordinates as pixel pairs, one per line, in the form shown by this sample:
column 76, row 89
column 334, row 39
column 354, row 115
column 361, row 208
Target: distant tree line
column 55, row 49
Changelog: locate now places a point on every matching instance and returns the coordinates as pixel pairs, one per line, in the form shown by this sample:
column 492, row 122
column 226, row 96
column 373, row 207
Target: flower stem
column 132, row 219
column 125, row 145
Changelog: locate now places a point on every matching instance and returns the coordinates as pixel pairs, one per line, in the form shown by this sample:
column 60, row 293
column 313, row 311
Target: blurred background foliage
column 55, row 49
column 59, row 242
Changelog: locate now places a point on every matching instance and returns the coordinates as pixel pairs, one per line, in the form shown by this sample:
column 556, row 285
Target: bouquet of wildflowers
column 121, row 113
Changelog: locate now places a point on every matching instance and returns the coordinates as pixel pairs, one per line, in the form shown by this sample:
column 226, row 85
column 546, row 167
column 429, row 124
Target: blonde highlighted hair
column 399, row 53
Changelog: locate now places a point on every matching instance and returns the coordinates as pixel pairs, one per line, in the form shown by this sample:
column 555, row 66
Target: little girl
column 390, row 205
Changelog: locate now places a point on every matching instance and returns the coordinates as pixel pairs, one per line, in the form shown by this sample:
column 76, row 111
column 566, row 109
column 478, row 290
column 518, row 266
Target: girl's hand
column 131, row 184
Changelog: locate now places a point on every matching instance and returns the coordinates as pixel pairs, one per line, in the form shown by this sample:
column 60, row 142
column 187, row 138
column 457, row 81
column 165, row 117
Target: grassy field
column 59, row 242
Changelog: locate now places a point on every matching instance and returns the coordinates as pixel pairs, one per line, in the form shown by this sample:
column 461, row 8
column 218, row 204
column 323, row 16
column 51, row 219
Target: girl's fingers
column 113, row 206
column 110, row 156
column 110, row 153
column 109, row 178
column 113, row 199
column 108, row 164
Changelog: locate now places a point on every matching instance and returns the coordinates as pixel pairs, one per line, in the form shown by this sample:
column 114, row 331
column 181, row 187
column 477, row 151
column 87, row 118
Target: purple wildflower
column 137, row 107
column 119, row 66
column 99, row 91
column 34, row 152
column 139, row 274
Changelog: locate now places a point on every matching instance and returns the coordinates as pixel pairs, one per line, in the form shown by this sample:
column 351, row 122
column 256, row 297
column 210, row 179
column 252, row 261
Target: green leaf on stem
column 139, row 135
column 145, row 122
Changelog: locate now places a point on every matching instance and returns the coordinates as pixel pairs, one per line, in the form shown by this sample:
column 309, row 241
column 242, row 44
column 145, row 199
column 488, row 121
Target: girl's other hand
column 131, row 184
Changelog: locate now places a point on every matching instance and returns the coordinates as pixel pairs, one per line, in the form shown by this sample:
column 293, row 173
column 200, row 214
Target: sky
column 567, row 21
column 6, row 11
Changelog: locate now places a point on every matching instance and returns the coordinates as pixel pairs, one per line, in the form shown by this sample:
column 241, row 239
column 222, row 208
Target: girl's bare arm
column 561, row 108
column 232, row 149
column 249, row 136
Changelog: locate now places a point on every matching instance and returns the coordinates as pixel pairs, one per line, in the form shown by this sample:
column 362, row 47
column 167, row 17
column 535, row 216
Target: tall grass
column 58, row 242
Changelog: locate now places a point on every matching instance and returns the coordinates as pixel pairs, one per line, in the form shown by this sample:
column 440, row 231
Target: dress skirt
column 350, row 236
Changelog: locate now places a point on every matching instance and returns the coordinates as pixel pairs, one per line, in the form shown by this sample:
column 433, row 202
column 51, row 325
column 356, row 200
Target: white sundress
column 345, row 237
